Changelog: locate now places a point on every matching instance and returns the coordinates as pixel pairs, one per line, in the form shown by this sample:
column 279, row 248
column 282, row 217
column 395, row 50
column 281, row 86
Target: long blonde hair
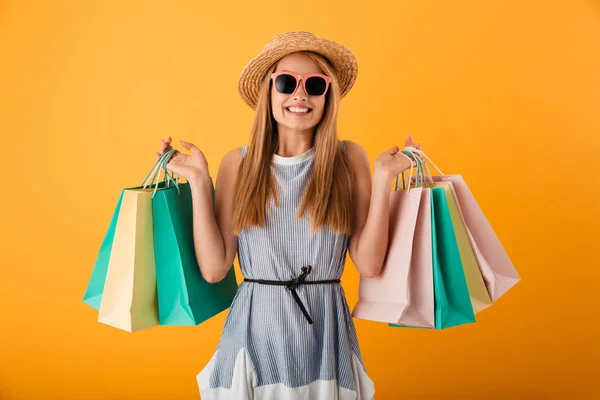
column 328, row 197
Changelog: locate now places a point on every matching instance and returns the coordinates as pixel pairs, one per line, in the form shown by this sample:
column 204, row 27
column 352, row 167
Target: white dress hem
column 244, row 387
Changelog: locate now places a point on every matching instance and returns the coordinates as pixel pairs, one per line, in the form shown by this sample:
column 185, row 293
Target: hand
column 187, row 166
column 393, row 162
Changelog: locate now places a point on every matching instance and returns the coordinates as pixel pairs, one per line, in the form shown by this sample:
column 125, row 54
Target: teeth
column 298, row 109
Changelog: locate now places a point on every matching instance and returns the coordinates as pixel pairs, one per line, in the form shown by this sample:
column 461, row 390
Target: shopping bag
column 129, row 297
column 403, row 291
column 453, row 305
column 495, row 266
column 150, row 238
column 453, row 302
column 97, row 281
column 184, row 296
column 95, row 287
column 480, row 299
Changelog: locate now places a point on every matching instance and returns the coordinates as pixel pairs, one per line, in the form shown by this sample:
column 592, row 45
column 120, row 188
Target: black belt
column 291, row 286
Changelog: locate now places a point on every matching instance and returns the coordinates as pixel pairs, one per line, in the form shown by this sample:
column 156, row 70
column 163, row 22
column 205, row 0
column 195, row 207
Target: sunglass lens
column 285, row 83
column 315, row 86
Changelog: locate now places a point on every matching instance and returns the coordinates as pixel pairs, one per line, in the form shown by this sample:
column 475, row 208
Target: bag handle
column 154, row 173
column 422, row 155
column 419, row 154
column 403, row 178
column 411, row 155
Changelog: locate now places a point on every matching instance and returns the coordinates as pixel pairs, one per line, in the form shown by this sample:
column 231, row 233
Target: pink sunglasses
column 314, row 84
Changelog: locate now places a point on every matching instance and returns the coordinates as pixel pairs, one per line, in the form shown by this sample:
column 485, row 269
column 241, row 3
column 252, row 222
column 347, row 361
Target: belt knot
column 291, row 286
column 300, row 278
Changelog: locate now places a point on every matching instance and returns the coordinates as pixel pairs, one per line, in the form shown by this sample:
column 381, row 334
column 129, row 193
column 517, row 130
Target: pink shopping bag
column 403, row 292
column 495, row 266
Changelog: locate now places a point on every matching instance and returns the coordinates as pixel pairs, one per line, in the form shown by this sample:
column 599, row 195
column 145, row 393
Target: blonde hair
column 328, row 197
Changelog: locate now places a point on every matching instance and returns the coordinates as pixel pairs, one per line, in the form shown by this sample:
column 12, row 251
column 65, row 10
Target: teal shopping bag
column 452, row 300
column 184, row 296
column 95, row 287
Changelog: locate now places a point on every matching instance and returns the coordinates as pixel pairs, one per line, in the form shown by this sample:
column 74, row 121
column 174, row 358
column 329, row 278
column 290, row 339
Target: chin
column 302, row 127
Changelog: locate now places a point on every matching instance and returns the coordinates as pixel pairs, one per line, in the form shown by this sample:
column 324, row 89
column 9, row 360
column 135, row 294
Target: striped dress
column 268, row 349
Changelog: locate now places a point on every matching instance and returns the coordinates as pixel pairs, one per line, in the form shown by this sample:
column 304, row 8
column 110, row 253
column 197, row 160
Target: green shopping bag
column 452, row 300
column 184, row 296
column 95, row 287
column 451, row 295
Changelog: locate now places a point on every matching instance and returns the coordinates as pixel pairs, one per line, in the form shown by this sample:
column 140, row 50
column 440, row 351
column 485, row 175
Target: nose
column 300, row 91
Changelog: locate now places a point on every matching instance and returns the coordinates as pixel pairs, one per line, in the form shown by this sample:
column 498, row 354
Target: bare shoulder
column 357, row 155
column 230, row 163
column 232, row 157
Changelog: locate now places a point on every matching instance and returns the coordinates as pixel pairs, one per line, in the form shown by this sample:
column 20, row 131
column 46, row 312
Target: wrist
column 381, row 178
column 200, row 180
column 382, row 175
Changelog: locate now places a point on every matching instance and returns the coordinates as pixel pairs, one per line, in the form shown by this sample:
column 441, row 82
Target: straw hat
column 340, row 57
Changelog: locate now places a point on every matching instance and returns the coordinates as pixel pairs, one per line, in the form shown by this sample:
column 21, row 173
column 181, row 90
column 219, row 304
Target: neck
column 291, row 143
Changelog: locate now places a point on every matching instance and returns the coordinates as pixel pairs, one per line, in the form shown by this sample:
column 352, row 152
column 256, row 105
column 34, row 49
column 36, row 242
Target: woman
column 291, row 203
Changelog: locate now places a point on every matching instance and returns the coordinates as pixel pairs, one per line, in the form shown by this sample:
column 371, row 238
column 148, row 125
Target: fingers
column 164, row 144
column 393, row 150
column 410, row 143
column 173, row 168
column 190, row 146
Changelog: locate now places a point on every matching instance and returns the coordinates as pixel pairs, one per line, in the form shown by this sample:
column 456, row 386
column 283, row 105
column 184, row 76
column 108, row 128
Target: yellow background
column 506, row 93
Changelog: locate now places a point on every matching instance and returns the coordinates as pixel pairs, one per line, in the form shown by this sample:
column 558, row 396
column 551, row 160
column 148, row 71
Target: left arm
column 369, row 240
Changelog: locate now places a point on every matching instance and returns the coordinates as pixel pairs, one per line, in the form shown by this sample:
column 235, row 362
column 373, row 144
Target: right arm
column 214, row 243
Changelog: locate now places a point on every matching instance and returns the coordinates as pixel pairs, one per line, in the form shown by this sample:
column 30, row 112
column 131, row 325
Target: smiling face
column 297, row 111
